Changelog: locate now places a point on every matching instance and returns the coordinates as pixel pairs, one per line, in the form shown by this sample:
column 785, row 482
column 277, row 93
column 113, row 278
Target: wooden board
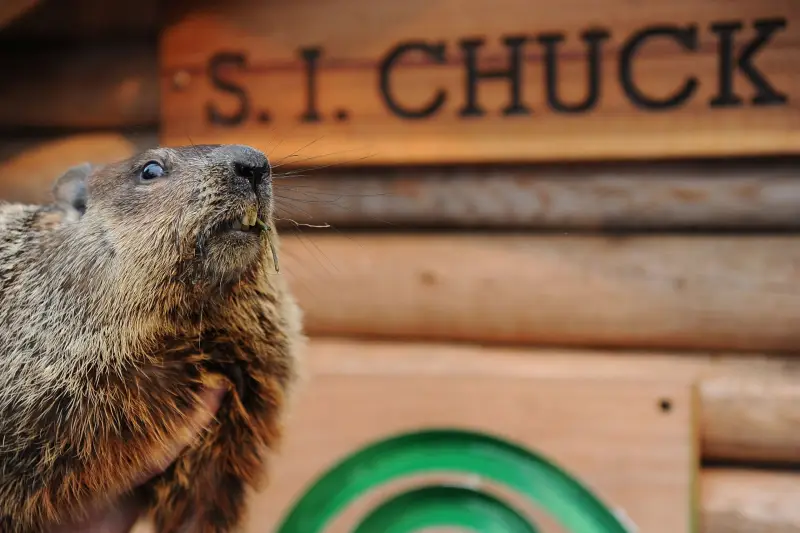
column 612, row 434
column 29, row 167
column 360, row 81
column 748, row 409
column 79, row 87
column 752, row 195
column 716, row 195
column 737, row 293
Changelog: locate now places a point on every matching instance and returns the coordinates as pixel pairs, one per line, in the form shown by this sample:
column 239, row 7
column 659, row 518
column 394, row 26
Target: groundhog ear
column 69, row 189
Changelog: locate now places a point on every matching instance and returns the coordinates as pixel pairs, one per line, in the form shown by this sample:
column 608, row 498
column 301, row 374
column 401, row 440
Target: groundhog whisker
column 297, row 171
column 293, row 154
column 305, row 201
column 304, row 189
column 301, row 235
column 272, row 136
column 300, row 171
column 298, row 224
column 284, row 162
column 293, row 207
column 315, row 199
column 267, row 230
column 274, row 148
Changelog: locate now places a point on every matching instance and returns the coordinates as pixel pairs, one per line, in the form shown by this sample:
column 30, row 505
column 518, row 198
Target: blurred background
column 547, row 251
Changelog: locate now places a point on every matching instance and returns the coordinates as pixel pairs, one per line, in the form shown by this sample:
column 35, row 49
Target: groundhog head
column 196, row 211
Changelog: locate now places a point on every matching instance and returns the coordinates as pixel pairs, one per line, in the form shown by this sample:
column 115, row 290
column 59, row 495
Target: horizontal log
column 742, row 501
column 708, row 195
column 84, row 20
column 749, row 405
column 28, row 167
column 734, row 293
column 80, row 87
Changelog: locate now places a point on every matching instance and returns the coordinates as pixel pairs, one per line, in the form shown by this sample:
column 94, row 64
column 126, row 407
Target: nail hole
column 427, row 277
column 665, row 405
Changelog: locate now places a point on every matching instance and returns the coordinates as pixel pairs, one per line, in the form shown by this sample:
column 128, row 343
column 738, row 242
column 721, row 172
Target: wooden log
column 734, row 293
column 85, row 20
column 80, row 87
column 749, row 405
column 762, row 195
column 708, row 195
column 761, row 396
column 28, row 167
column 744, row 501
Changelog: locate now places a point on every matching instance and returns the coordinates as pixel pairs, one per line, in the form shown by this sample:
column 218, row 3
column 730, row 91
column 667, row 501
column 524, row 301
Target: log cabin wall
column 683, row 269
column 84, row 88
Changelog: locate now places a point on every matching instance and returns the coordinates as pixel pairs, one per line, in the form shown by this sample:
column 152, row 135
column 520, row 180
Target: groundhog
column 139, row 282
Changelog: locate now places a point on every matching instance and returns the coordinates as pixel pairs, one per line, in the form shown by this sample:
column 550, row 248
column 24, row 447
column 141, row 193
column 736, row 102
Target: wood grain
column 735, row 501
column 730, row 500
column 28, row 167
column 357, row 126
column 748, row 407
column 666, row 291
column 80, row 87
column 714, row 195
column 743, row 195
column 606, row 431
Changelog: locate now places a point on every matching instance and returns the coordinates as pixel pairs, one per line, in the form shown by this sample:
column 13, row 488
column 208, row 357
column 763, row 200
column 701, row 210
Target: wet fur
column 111, row 320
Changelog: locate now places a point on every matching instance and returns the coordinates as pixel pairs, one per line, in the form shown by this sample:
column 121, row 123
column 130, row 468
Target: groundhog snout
column 246, row 163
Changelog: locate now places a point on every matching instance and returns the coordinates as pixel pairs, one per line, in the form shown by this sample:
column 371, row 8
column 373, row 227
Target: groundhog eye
column 152, row 170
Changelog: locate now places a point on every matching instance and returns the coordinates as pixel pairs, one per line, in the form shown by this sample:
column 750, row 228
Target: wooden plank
column 736, row 501
column 681, row 94
column 653, row 196
column 81, row 86
column 739, row 195
column 29, row 167
column 748, row 407
column 683, row 292
column 742, row 195
column 609, row 433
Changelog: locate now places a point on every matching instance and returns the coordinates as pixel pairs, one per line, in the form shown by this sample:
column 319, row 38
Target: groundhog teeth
column 250, row 216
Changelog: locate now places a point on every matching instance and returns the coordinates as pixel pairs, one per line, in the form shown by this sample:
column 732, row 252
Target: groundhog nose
column 246, row 162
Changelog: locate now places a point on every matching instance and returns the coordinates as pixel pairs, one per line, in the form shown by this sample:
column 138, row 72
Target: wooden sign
column 442, row 81
column 376, row 442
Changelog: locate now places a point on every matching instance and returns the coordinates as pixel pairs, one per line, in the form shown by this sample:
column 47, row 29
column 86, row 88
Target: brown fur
column 110, row 321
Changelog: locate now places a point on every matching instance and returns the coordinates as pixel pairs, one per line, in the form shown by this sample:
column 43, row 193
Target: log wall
column 650, row 268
